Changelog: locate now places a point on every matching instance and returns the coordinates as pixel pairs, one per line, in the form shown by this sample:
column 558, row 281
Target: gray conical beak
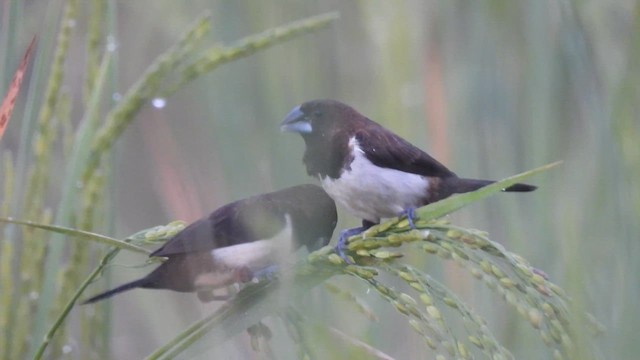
column 296, row 121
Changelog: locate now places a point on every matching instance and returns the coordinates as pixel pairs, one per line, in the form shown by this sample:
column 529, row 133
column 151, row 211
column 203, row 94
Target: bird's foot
column 410, row 213
column 541, row 273
column 269, row 273
column 206, row 296
column 343, row 243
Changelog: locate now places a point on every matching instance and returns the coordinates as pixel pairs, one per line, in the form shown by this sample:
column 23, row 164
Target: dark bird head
column 325, row 126
column 319, row 118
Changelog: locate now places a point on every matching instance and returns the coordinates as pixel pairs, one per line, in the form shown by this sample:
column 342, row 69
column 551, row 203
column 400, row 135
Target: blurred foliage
column 490, row 88
column 38, row 276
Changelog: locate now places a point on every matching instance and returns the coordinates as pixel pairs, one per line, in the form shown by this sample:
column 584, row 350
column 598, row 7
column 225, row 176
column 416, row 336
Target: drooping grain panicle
column 145, row 89
column 313, row 338
column 431, row 290
column 427, row 323
column 508, row 274
column 296, row 332
column 222, row 54
column 540, row 302
column 352, row 299
column 95, row 40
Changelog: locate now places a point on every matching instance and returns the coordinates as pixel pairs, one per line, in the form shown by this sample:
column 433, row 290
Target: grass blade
column 140, row 93
column 73, row 171
column 155, row 234
column 80, row 234
column 63, row 315
column 455, row 202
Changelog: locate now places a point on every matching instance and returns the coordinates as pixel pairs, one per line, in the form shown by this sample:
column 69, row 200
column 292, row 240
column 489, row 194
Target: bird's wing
column 235, row 223
column 386, row 149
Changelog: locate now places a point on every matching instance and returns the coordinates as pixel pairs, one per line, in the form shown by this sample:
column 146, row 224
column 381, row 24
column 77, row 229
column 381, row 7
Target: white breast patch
column 257, row 254
column 371, row 192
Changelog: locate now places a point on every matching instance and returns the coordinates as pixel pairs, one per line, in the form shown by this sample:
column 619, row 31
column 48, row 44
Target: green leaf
column 79, row 234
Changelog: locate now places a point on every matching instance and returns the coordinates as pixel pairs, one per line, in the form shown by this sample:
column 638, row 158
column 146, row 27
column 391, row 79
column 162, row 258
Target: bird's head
column 318, row 118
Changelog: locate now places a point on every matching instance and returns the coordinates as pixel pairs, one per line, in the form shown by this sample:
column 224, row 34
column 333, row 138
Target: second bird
column 369, row 170
column 239, row 241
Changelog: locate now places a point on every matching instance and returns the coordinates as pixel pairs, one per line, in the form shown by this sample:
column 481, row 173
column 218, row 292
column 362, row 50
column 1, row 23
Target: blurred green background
column 490, row 88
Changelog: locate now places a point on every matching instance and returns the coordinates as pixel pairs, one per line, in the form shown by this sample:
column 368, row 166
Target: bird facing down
column 239, row 240
column 369, row 170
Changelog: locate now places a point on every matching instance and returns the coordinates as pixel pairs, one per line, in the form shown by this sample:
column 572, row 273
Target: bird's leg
column 346, row 234
column 206, row 296
column 206, row 284
column 268, row 273
column 239, row 275
column 410, row 213
column 541, row 273
column 366, row 224
column 343, row 244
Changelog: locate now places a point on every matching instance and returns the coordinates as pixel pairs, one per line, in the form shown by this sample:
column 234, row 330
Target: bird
column 239, row 241
column 369, row 170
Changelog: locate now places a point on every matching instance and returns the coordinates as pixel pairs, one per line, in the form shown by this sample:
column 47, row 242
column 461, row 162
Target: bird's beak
column 297, row 122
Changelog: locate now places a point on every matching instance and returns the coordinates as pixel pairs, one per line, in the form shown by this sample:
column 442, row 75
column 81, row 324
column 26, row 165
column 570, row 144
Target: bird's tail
column 465, row 185
column 140, row 283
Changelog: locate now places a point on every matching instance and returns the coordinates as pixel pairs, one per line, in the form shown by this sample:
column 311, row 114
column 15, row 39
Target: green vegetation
column 116, row 129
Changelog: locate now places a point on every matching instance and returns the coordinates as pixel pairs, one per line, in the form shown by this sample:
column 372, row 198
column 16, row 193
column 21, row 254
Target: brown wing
column 236, row 223
column 312, row 211
column 386, row 149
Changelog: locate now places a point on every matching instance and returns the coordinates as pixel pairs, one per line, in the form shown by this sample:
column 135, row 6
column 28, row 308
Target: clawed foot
column 541, row 273
column 343, row 242
column 410, row 213
column 267, row 274
column 206, row 296
column 206, row 284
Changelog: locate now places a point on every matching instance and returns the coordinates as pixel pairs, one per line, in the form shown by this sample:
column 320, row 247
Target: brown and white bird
column 369, row 170
column 240, row 240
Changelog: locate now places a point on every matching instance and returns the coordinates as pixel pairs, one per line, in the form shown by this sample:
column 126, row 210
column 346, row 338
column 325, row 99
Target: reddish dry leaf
column 7, row 105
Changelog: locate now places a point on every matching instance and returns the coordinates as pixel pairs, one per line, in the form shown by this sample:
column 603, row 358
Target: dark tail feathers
column 140, row 283
column 520, row 188
column 466, row 185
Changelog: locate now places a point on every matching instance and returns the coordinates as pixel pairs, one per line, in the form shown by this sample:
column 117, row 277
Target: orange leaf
column 7, row 105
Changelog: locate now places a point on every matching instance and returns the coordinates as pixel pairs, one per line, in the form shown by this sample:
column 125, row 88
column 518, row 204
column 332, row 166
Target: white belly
column 258, row 254
column 239, row 263
column 370, row 192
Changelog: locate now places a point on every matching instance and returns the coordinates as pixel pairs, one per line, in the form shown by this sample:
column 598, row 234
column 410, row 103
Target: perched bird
column 369, row 170
column 240, row 240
